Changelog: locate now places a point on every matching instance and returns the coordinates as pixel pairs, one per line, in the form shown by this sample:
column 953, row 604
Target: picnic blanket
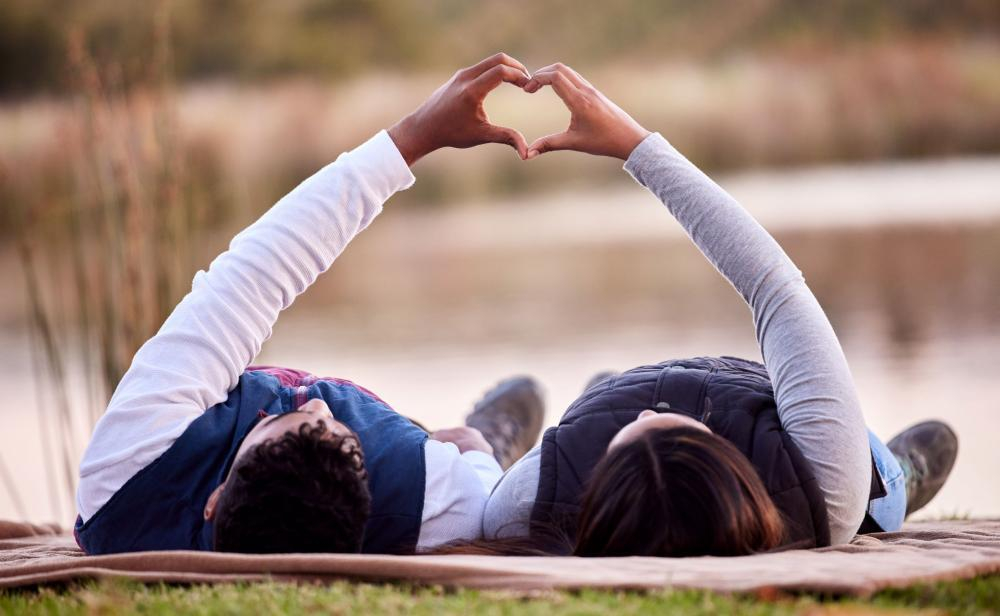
column 921, row 552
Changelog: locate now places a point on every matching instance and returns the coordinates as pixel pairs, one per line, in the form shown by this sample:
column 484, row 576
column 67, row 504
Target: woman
column 710, row 455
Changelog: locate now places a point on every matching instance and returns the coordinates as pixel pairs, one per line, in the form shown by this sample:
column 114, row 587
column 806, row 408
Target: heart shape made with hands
column 456, row 115
column 596, row 125
column 534, row 115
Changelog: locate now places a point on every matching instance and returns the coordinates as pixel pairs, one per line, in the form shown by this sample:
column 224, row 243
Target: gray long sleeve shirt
column 817, row 402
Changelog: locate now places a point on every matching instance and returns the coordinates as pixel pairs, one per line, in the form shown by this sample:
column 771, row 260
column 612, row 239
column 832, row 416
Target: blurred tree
column 335, row 38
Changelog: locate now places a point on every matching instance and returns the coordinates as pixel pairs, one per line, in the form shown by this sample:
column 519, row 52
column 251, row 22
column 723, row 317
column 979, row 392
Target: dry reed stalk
column 12, row 492
column 127, row 232
column 56, row 438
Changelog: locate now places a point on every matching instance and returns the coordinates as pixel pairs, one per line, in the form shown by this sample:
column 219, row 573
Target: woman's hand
column 454, row 117
column 596, row 126
column 465, row 438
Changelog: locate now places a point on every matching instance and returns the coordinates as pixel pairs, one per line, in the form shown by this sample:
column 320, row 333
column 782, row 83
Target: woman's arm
column 817, row 402
column 816, row 398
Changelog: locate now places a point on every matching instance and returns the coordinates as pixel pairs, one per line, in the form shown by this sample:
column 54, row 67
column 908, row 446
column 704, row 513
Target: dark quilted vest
column 160, row 508
column 735, row 399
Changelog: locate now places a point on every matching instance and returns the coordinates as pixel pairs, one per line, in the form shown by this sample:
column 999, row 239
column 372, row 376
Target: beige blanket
column 923, row 551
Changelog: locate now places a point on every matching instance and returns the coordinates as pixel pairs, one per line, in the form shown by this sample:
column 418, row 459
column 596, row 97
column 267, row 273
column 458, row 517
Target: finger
column 559, row 82
column 502, row 134
column 571, row 75
column 540, row 78
column 574, row 77
column 550, row 143
column 494, row 77
column 496, row 59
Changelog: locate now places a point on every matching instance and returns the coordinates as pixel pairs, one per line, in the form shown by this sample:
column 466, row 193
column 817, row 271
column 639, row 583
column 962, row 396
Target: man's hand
column 454, row 116
column 597, row 126
column 465, row 438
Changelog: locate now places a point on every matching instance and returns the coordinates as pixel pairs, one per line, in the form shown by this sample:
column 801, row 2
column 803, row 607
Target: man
column 198, row 450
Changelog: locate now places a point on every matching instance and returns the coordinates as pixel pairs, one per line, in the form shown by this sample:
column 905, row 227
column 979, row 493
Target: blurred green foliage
column 337, row 38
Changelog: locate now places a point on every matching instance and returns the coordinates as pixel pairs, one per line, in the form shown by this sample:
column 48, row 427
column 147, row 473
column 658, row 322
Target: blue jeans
column 888, row 511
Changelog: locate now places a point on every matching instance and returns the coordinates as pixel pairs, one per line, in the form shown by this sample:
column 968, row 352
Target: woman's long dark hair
column 676, row 492
column 671, row 492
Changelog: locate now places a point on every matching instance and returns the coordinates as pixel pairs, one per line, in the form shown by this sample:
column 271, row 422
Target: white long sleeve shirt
column 217, row 330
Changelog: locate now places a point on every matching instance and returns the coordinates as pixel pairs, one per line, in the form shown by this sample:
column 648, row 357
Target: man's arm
column 475, row 450
column 196, row 358
column 214, row 333
column 458, row 484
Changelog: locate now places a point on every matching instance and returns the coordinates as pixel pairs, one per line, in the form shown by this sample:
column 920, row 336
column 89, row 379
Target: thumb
column 549, row 143
column 502, row 134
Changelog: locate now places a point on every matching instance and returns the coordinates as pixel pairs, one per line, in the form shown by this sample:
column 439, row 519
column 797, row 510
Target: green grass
column 976, row 596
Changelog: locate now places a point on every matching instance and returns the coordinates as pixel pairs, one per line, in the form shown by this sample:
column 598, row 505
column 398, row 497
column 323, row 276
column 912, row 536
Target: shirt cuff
column 380, row 163
column 645, row 154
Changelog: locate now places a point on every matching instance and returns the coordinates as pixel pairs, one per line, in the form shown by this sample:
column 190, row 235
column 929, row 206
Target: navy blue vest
column 732, row 396
column 161, row 507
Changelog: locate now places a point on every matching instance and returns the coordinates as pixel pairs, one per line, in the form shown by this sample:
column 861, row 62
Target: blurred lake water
column 430, row 307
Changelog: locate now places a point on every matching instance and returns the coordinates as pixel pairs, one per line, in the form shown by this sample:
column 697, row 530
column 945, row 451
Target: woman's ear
column 213, row 500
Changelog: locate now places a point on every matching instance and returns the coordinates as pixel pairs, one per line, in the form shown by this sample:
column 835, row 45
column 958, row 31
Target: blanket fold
column 921, row 552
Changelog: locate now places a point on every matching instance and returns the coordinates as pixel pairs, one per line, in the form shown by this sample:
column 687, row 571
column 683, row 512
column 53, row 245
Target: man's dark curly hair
column 306, row 491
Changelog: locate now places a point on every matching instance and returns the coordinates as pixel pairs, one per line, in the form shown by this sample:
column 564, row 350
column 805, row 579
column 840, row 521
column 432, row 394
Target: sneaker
column 510, row 417
column 927, row 452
